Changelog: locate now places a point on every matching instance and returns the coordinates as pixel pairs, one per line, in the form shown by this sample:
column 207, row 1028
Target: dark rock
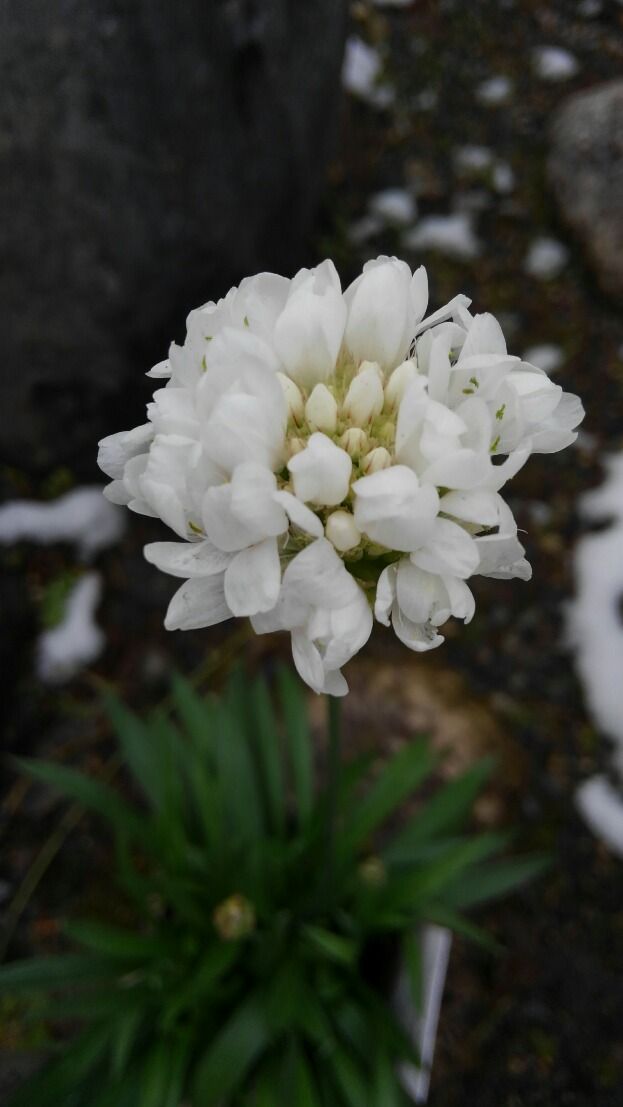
column 585, row 169
column 151, row 155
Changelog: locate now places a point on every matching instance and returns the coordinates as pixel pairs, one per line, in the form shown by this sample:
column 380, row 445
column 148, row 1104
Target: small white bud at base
column 365, row 396
column 295, row 445
column 377, row 459
column 342, row 531
column 355, row 441
column 293, row 397
column 321, row 410
column 397, row 384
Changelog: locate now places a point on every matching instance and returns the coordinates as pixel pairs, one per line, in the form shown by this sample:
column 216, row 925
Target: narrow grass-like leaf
column 349, row 1077
column 124, row 1039
column 41, row 973
column 446, row 916
column 398, row 779
column 140, row 750
column 91, row 793
column 412, row 959
column 217, row 960
column 115, row 942
column 415, row 888
column 296, row 724
column 445, row 813
column 331, row 945
column 197, row 715
column 489, row 881
column 227, row 1061
column 267, row 748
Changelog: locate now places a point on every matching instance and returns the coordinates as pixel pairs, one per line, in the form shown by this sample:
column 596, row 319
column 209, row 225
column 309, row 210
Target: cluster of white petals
column 328, row 458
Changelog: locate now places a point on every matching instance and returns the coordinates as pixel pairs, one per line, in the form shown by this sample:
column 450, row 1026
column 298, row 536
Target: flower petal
column 299, row 514
column 198, row 603
column 253, row 579
column 321, row 472
column 187, row 559
column 449, row 550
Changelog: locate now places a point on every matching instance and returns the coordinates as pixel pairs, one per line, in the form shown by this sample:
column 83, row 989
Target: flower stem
column 334, row 762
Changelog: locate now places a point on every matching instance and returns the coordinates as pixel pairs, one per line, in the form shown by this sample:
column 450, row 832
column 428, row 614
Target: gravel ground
column 540, row 1023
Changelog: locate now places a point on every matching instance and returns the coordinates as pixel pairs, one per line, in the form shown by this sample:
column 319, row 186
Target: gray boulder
column 150, row 156
column 585, row 169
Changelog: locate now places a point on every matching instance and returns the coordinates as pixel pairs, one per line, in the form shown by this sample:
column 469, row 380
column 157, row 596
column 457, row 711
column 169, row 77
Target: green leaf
column 445, row 916
column 197, row 716
column 331, row 945
column 227, row 1060
column 490, row 881
column 92, row 794
column 411, row 890
column 297, row 1084
column 349, row 1077
column 215, row 963
column 267, row 746
column 124, row 1039
column 296, row 724
column 139, row 747
column 43, row 973
column 156, row 1074
column 237, row 779
column 115, row 942
column 412, row 957
column 444, row 813
column 398, row 779
column 386, row 1091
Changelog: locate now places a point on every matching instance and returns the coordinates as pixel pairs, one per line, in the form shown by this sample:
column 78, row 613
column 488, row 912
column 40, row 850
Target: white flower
column 324, row 456
column 321, row 472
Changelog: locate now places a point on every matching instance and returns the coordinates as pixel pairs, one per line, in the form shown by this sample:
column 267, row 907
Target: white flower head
column 325, row 458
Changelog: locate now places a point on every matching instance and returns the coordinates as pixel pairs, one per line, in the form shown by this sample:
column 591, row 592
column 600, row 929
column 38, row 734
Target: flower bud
column 342, row 531
column 397, row 384
column 295, row 445
column 321, row 410
column 377, row 459
column 354, row 441
column 293, row 396
column 234, row 918
column 364, row 398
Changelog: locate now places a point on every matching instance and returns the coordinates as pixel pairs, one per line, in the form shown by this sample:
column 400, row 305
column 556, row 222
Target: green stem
column 334, row 764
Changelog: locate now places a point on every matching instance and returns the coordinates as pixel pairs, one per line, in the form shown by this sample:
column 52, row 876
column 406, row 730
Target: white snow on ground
column 495, row 90
column 547, row 356
column 452, row 235
column 546, row 258
column 77, row 640
column 473, row 159
column 82, row 517
column 595, row 629
column 393, row 205
column 363, row 229
column 503, row 177
column 552, row 63
column 362, row 73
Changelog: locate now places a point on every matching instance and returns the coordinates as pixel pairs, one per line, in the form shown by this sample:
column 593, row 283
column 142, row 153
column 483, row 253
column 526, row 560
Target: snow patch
column 546, row 258
column 394, row 205
column 473, row 159
column 595, row 629
column 552, row 63
column 76, row 641
column 495, row 90
column 362, row 71
column 82, row 517
column 503, row 178
column 547, row 356
column 452, row 235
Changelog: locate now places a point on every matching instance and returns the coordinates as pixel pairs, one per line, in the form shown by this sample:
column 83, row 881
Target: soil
column 539, row 1024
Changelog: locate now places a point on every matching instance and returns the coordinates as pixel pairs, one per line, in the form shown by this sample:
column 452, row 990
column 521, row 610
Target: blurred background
column 150, row 157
